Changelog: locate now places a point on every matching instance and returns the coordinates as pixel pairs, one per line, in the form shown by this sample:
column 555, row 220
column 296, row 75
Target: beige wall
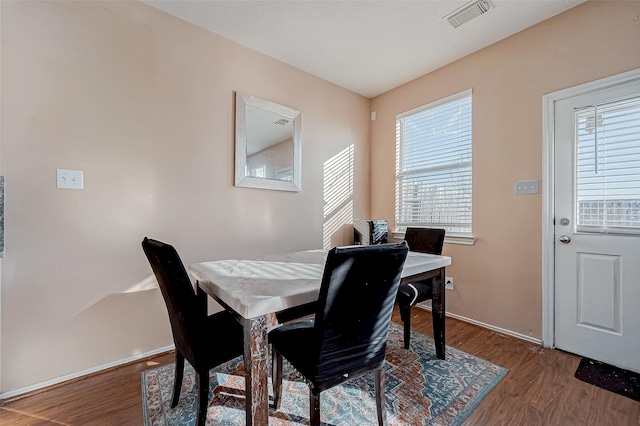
column 498, row 280
column 142, row 103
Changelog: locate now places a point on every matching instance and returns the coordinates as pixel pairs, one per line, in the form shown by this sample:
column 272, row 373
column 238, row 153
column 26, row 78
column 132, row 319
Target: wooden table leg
column 255, row 365
column 438, row 310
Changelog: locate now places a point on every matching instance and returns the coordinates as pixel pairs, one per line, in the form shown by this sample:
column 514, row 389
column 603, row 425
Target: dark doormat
column 605, row 376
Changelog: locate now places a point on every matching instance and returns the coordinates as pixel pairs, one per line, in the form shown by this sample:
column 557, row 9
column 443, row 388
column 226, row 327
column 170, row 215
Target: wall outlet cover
column 70, row 179
column 527, row 187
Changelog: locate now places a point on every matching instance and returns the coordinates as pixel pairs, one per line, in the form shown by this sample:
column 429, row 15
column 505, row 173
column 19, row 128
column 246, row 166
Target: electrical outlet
column 448, row 283
column 69, row 179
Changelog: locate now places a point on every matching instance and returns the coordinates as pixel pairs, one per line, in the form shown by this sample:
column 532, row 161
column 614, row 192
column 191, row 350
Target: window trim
column 450, row 98
column 465, row 238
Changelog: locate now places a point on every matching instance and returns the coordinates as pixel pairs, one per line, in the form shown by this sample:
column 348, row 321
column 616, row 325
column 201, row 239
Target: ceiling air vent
column 467, row 12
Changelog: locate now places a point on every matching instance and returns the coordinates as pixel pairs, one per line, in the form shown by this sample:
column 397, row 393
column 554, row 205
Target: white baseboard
column 489, row 326
column 78, row 374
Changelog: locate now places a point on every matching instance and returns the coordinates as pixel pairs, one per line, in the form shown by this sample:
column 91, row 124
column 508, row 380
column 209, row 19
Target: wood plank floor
column 539, row 390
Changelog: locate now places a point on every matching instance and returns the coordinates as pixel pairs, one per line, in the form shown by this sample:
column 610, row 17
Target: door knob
column 565, row 239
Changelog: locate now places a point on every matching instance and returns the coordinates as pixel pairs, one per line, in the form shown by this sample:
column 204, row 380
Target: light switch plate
column 70, row 179
column 527, row 187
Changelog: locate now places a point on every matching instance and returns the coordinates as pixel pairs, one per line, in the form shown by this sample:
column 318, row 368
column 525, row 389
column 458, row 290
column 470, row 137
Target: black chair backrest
column 186, row 312
column 425, row 240
column 355, row 304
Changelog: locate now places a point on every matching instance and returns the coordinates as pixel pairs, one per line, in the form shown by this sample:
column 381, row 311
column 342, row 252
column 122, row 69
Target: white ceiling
column 368, row 47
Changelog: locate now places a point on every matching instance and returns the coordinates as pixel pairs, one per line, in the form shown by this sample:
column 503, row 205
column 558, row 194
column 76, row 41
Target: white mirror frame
column 242, row 178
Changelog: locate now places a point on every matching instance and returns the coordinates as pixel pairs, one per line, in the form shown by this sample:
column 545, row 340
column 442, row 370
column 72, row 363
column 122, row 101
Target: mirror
column 267, row 145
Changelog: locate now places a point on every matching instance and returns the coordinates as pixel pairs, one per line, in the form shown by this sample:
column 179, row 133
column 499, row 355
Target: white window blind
column 433, row 166
column 608, row 167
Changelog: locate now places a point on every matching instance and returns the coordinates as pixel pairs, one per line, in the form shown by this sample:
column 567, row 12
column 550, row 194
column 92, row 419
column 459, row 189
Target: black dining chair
column 422, row 240
column 206, row 341
column 348, row 335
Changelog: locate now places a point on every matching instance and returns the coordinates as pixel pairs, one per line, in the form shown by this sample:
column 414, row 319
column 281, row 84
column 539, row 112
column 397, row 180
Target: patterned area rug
column 420, row 390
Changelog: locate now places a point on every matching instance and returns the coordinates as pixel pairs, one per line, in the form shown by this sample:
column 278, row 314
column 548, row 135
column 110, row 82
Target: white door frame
column 548, row 192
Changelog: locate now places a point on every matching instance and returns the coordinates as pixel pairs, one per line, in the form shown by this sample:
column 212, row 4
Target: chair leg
column 276, row 378
column 380, row 392
column 203, row 398
column 314, row 407
column 177, row 382
column 405, row 314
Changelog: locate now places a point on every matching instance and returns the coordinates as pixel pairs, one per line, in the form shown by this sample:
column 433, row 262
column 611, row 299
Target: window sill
column 467, row 240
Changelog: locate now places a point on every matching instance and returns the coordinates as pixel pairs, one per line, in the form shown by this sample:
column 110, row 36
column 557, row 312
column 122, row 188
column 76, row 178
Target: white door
column 597, row 225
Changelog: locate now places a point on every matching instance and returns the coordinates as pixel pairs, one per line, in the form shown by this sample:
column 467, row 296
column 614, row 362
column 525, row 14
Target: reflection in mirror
column 267, row 144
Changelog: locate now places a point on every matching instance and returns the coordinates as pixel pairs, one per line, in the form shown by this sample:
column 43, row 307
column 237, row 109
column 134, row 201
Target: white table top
column 276, row 282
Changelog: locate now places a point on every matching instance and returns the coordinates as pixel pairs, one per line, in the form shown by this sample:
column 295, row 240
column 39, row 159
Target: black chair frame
column 205, row 341
column 348, row 336
column 431, row 241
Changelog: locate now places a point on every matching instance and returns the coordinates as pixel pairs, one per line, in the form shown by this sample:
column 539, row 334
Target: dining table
column 255, row 290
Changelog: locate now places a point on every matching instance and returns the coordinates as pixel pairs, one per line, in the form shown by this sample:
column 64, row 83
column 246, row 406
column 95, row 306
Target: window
column 608, row 167
column 433, row 166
